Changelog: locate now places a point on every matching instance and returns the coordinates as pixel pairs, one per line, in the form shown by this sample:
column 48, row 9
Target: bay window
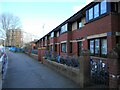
column 96, row 10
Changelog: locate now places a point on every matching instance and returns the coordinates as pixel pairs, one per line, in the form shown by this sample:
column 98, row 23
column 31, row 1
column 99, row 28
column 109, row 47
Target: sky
column 38, row 17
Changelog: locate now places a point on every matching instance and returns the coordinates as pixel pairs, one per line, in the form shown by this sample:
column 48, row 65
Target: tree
column 9, row 22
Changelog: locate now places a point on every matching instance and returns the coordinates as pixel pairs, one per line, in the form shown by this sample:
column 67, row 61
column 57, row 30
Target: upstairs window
column 90, row 13
column 64, row 28
column 96, row 11
column 46, row 38
column 103, row 6
column 80, row 24
column 52, row 34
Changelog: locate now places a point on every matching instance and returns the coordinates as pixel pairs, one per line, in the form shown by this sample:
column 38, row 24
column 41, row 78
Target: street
column 25, row 72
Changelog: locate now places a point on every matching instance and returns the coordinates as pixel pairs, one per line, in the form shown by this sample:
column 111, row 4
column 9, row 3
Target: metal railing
column 99, row 72
column 67, row 60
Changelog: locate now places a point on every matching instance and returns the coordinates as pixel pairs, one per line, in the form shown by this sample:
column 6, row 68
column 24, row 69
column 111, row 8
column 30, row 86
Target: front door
column 79, row 44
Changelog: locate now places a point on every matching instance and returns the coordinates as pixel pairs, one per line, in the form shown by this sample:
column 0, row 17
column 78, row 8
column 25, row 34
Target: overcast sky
column 36, row 13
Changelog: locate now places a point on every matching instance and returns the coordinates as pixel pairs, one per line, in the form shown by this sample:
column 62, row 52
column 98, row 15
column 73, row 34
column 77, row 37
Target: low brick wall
column 35, row 56
column 68, row 71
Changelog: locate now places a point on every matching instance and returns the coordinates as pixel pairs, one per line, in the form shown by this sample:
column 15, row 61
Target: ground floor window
column 104, row 47
column 63, row 47
column 56, row 47
column 71, row 47
column 98, row 47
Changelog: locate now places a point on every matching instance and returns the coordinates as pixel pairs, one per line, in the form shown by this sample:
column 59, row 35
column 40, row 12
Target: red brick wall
column 99, row 26
column 115, row 22
column 74, row 52
column 63, row 37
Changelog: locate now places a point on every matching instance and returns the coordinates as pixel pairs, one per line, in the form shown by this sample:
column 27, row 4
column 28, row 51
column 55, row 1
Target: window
column 58, row 34
column 96, row 10
column 92, row 46
column 80, row 24
column 98, row 47
column 63, row 47
column 46, row 38
column 64, row 28
column 52, row 34
column 51, row 47
column 103, row 6
column 104, row 47
column 90, row 13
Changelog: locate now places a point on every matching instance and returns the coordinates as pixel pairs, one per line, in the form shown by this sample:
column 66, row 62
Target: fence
column 99, row 71
column 99, row 74
column 68, row 60
column 34, row 51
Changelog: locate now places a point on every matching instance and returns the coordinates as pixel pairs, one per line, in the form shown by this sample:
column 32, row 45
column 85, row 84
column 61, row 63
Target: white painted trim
column 63, row 41
column 117, row 34
column 73, row 40
column 77, row 40
column 50, row 44
column 97, row 36
column 57, row 43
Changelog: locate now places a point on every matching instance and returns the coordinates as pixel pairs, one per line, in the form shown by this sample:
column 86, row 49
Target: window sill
column 98, row 57
column 64, row 52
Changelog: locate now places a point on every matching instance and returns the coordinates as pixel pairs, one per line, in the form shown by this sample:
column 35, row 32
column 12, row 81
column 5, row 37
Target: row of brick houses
column 95, row 27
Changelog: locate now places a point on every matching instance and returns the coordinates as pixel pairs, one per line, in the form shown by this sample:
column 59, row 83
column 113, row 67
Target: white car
column 3, row 62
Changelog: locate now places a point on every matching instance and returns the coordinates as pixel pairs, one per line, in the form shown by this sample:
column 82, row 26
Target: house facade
column 95, row 27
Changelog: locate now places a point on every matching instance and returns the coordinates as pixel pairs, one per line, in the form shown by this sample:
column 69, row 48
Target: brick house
column 95, row 27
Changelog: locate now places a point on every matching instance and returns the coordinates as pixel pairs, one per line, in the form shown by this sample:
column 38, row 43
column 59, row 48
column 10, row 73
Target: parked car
column 3, row 62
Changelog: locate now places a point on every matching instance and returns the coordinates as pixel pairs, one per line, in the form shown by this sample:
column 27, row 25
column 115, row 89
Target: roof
column 72, row 18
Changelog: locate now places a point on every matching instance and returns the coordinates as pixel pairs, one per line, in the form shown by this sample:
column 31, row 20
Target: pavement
column 25, row 72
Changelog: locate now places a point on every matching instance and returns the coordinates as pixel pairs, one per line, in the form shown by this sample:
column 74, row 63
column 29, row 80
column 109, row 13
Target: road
column 25, row 72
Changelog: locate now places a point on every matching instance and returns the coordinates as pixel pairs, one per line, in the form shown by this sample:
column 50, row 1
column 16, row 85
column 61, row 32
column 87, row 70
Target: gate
column 99, row 71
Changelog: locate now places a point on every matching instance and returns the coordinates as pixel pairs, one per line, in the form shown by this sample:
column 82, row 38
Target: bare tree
column 9, row 22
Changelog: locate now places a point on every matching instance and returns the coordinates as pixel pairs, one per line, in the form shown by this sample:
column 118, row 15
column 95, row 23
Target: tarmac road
column 25, row 72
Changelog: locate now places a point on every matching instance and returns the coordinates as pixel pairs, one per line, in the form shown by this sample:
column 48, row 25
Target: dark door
column 59, row 48
column 79, row 44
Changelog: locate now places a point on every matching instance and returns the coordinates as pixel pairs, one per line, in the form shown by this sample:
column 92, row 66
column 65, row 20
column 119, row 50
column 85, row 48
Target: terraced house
column 96, row 28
